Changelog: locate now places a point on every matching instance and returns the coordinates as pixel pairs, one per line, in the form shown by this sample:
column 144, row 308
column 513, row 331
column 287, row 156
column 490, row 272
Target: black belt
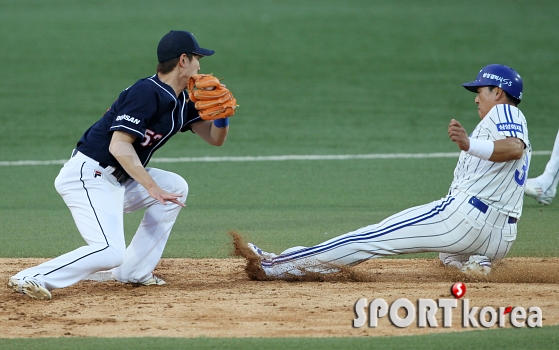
column 483, row 208
column 119, row 174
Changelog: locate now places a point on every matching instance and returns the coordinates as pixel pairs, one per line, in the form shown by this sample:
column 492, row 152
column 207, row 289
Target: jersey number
column 150, row 137
column 520, row 177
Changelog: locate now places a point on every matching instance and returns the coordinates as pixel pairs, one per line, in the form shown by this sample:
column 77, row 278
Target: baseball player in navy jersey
column 473, row 226
column 107, row 176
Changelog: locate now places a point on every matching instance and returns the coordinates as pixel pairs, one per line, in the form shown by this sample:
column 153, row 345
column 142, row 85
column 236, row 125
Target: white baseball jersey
column 497, row 184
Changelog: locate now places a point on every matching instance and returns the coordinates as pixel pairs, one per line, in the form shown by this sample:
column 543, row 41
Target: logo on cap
column 497, row 78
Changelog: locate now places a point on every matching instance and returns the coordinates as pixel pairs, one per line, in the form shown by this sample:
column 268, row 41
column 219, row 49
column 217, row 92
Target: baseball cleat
column 534, row 190
column 31, row 287
column 154, row 280
column 262, row 254
column 477, row 265
column 455, row 264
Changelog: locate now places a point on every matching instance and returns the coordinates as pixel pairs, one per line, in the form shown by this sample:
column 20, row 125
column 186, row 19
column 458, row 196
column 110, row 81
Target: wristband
column 481, row 148
column 221, row 123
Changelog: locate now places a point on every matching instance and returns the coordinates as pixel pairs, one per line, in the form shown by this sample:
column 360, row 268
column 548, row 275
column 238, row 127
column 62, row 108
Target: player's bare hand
column 458, row 134
column 163, row 196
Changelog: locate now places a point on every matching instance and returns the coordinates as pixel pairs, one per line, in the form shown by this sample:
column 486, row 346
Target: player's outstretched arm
column 498, row 151
column 121, row 148
column 213, row 132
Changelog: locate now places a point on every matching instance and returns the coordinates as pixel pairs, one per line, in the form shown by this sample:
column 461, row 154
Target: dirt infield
column 215, row 298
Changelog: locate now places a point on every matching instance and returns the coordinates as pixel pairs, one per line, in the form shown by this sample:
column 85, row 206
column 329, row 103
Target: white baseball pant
column 457, row 226
column 97, row 203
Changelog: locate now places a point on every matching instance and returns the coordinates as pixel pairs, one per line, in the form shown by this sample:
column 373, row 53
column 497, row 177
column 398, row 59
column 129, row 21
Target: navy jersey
column 150, row 110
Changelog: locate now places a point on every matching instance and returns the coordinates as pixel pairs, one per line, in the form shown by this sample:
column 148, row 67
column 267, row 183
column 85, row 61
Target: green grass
column 536, row 338
column 369, row 75
column 312, row 77
column 275, row 204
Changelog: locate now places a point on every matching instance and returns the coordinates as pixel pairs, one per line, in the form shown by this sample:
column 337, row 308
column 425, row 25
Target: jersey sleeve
column 134, row 109
column 192, row 116
column 507, row 121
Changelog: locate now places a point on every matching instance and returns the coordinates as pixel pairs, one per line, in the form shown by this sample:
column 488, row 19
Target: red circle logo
column 458, row 290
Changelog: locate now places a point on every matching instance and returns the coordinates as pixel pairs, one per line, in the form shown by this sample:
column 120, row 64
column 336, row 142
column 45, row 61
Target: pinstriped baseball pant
column 451, row 226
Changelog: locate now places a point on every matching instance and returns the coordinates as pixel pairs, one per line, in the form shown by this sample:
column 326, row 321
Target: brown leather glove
column 211, row 98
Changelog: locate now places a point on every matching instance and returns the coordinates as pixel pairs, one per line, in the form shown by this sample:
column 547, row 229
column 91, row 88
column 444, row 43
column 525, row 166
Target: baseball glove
column 212, row 99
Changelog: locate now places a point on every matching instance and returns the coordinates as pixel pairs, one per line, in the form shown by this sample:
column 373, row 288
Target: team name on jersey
column 498, row 78
column 128, row 118
column 509, row 127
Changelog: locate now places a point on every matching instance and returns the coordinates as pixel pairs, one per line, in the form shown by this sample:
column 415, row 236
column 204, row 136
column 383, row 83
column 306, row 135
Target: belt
column 119, row 174
column 478, row 204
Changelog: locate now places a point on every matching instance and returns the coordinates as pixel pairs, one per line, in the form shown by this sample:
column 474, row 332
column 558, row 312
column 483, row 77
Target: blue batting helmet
column 498, row 75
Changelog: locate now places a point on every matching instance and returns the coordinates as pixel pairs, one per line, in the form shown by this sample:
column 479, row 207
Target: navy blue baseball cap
column 177, row 42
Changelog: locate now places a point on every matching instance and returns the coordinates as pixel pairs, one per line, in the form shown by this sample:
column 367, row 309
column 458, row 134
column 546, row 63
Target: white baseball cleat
column 535, row 190
column 477, row 265
column 31, row 287
column 455, row 264
column 262, row 254
column 154, row 280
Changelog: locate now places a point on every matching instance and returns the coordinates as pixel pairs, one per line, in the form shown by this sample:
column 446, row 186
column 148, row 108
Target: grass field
column 542, row 338
column 311, row 78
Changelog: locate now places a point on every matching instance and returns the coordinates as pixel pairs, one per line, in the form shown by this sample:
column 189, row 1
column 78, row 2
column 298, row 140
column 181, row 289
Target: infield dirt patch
column 215, row 298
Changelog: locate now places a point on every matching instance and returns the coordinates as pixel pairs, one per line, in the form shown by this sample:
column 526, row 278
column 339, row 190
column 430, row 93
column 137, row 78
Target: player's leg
column 441, row 226
column 501, row 238
column 544, row 187
column 147, row 245
column 500, row 234
column 96, row 206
